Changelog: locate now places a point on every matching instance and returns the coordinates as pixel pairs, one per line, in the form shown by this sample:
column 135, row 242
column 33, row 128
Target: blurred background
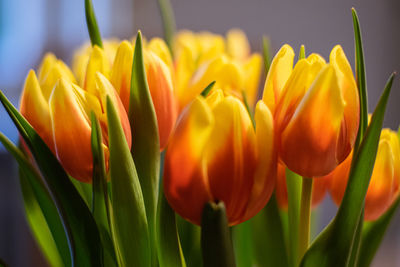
column 29, row 28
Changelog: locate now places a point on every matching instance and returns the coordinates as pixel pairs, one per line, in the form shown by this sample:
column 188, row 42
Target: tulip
column 216, row 155
column 316, row 110
column 158, row 63
column 384, row 184
column 205, row 57
column 59, row 110
column 319, row 189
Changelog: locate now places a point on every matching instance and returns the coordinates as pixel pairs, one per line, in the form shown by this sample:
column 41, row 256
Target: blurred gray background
column 29, row 28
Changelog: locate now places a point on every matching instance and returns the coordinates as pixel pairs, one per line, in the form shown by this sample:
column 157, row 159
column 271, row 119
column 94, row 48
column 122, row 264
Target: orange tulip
column 216, row 155
column 158, row 65
column 319, row 190
column 316, row 110
column 384, row 184
column 59, row 110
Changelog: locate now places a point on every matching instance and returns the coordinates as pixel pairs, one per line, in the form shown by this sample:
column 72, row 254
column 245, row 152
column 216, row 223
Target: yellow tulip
column 59, row 110
column 384, row 185
column 215, row 154
column 316, row 110
column 201, row 58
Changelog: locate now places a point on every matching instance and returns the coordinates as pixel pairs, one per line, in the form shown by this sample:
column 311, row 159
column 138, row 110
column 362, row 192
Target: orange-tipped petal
column 231, row 157
column 35, row 109
column 265, row 173
column 160, row 48
column 122, row 71
column 71, row 131
column 349, row 89
column 185, row 184
column 278, row 74
column 160, row 85
column 308, row 144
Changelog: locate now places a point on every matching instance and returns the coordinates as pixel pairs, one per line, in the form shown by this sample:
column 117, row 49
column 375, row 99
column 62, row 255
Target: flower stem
column 305, row 215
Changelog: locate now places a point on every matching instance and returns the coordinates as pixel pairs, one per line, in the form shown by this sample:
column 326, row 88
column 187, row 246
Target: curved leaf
column 78, row 222
column 168, row 19
column 91, row 23
column 129, row 223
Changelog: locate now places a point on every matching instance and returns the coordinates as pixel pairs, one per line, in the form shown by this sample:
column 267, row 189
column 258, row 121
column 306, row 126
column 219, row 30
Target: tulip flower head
column 385, row 180
column 59, row 110
column 316, row 110
column 201, row 58
column 319, row 189
column 216, row 155
column 158, row 65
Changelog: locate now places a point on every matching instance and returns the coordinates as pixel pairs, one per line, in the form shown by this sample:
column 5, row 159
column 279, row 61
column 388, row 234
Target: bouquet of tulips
column 124, row 155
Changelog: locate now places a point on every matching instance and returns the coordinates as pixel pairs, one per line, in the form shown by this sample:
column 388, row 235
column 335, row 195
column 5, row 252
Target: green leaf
column 168, row 20
column 91, row 22
column 372, row 235
column 170, row 252
column 266, row 44
column 208, row 89
column 216, row 243
column 129, row 223
column 293, row 183
column 302, row 52
column 78, row 222
column 360, row 78
column 260, row 241
column 145, row 140
column 189, row 236
column 2, row 263
column 333, row 246
column 40, row 210
column 100, row 208
column 84, row 190
column 246, row 104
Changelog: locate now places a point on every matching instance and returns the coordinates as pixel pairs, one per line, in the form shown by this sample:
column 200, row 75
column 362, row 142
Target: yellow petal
column 122, row 71
column 279, row 72
column 214, row 98
column 238, row 46
column 252, row 73
column 71, row 131
column 309, row 142
column 264, row 178
column 303, row 75
column 160, row 48
column 35, row 109
column 98, row 62
column 185, row 185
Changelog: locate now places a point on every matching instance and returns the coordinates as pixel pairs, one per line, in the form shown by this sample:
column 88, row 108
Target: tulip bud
column 384, row 184
column 316, row 111
column 216, row 155
column 59, row 110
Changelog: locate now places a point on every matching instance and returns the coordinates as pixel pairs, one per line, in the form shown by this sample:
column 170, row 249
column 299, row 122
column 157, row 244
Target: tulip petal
column 122, row 71
column 35, row 109
column 278, row 74
column 160, row 48
column 303, row 75
column 104, row 89
column 161, row 89
column 349, row 89
column 237, row 45
column 379, row 194
column 185, row 186
column 252, row 73
column 264, row 177
column 309, row 142
column 97, row 63
column 71, row 131
column 231, row 157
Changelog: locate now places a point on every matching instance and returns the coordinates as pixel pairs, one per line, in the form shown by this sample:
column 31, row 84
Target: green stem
column 305, row 215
